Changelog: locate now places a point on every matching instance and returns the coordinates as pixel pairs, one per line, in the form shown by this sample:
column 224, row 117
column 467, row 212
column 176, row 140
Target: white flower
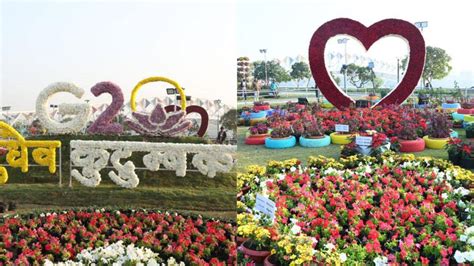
column 463, row 238
column 444, row 195
column 381, row 261
column 93, row 156
column 459, row 257
column 343, row 257
column 81, row 111
column 469, row 255
column 329, row 246
column 462, row 191
column 295, row 229
column 292, row 169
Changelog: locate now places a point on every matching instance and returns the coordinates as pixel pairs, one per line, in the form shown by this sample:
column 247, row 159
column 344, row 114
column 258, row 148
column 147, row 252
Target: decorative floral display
column 117, row 253
column 44, row 151
column 81, row 111
column 3, row 175
column 258, row 129
column 391, row 209
column 367, row 36
column 92, row 156
column 387, row 120
column 175, row 84
column 159, row 122
column 194, row 109
column 104, row 123
column 139, row 235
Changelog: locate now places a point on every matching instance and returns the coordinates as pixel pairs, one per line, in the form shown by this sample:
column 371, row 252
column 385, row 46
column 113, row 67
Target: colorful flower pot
column 341, row 139
column 454, row 134
column 465, row 111
column 255, row 255
column 451, row 105
column 412, row 145
column 258, row 139
column 269, row 261
column 259, row 115
column 468, row 118
column 239, row 240
column 436, row 144
column 261, row 107
column 315, row 142
column 283, row 143
column 457, row 116
column 253, row 122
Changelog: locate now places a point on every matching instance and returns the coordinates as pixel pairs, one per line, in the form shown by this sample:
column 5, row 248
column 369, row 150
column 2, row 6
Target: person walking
column 243, row 87
column 221, row 136
column 257, row 88
column 274, row 88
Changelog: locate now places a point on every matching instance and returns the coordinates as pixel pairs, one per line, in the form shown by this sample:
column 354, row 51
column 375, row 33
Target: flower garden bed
column 391, row 209
column 62, row 236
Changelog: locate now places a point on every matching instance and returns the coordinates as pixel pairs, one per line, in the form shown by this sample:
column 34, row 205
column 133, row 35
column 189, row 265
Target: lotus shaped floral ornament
column 159, row 122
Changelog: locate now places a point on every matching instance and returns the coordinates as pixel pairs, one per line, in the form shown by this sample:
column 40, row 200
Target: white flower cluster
column 93, row 156
column 81, row 111
column 381, row 261
column 468, row 238
column 117, row 254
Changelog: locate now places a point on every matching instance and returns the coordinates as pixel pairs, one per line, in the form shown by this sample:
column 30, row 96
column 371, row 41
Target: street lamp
column 218, row 103
column 344, row 67
column 421, row 25
column 264, row 52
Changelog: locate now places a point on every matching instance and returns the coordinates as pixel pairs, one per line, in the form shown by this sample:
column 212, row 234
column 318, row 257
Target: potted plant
column 470, row 130
column 258, row 134
column 343, row 138
column 257, row 247
column 380, row 143
column 298, row 128
column 292, row 250
column 280, row 138
column 460, row 153
column 408, row 137
column 450, row 105
column 261, row 106
column 314, row 136
column 439, row 131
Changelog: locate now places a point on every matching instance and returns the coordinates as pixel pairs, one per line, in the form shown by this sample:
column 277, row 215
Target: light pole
column 398, row 70
column 218, row 103
column 421, row 25
column 344, row 41
column 264, row 52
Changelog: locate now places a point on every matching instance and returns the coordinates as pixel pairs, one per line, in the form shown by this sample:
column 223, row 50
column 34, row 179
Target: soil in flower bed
column 61, row 236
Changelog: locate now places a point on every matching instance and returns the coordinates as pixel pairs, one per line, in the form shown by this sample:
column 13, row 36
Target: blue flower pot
column 315, row 143
column 457, row 116
column 451, row 105
column 261, row 114
column 280, row 143
column 454, row 134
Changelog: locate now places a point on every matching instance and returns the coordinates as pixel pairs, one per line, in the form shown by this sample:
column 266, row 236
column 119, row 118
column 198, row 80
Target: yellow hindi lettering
column 44, row 151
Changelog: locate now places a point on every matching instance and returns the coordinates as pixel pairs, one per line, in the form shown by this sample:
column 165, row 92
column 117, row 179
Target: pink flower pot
column 412, row 145
column 258, row 139
column 256, row 255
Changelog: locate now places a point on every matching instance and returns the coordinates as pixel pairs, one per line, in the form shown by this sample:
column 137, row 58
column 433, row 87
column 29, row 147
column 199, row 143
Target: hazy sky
column 86, row 42
column 285, row 28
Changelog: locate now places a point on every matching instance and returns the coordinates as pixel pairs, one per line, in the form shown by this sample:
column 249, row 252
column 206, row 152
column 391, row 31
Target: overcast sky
column 86, row 42
column 285, row 28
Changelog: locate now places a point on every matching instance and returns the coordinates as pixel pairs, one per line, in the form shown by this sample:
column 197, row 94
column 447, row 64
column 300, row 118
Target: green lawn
column 258, row 154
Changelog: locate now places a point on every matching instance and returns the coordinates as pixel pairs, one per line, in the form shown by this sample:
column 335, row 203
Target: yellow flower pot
column 436, row 144
column 341, row 139
column 469, row 118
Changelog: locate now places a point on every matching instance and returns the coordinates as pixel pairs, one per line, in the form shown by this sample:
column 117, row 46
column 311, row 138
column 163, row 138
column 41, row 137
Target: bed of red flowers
column 387, row 119
column 61, row 236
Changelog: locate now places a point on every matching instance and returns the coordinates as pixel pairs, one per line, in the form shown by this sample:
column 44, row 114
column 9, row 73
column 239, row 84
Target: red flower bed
column 385, row 120
column 60, row 237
